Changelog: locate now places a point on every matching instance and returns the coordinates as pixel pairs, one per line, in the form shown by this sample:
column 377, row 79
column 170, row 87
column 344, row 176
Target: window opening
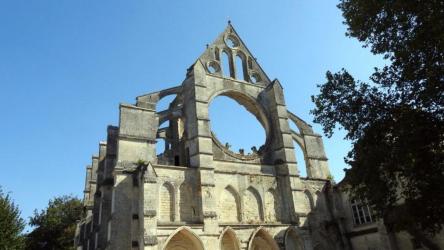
column 176, row 160
column 239, row 68
column 232, row 42
column 216, row 54
column 235, row 127
column 255, row 78
column 212, row 69
column 226, row 64
column 302, row 167
column 361, row 213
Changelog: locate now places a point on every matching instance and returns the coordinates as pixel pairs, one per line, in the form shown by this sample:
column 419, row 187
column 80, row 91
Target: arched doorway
column 183, row 239
column 262, row 240
column 228, row 240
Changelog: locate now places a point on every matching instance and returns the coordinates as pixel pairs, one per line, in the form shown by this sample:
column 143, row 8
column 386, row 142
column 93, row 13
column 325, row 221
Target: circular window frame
column 215, row 65
column 234, row 40
column 255, row 75
column 249, row 103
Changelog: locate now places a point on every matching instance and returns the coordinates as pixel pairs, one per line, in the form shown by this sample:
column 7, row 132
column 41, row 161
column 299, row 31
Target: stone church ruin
column 198, row 194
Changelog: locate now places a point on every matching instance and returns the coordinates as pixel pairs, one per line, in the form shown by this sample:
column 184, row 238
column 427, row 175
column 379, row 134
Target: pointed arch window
column 301, row 161
column 240, row 68
column 226, row 69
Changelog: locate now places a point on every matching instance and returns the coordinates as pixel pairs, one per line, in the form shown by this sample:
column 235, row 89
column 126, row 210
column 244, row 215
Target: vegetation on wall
column 396, row 120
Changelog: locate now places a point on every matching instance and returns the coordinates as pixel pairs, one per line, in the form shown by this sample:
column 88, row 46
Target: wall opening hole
column 293, row 126
column 164, row 103
column 226, row 64
column 213, row 67
column 300, row 160
column 235, row 127
column 176, row 160
column 240, row 68
column 161, row 146
column 232, row 42
column 254, row 78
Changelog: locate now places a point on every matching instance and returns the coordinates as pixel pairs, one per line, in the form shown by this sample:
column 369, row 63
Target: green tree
column 396, row 121
column 11, row 225
column 55, row 226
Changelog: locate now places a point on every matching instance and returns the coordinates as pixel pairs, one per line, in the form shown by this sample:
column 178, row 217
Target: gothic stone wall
column 246, row 200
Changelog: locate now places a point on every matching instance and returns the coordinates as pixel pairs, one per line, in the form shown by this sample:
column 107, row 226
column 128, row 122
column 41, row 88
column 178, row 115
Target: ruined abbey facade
column 199, row 194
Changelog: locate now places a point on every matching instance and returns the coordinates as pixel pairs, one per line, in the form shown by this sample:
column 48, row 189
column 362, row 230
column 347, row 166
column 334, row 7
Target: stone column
column 200, row 146
column 283, row 152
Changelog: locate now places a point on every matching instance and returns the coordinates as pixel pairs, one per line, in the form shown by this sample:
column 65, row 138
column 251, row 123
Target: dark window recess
column 176, row 160
column 135, row 216
column 135, row 243
column 188, row 157
column 216, row 54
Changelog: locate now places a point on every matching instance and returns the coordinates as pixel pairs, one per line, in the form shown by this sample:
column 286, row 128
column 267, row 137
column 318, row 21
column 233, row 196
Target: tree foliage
column 55, row 226
column 396, row 120
column 11, row 224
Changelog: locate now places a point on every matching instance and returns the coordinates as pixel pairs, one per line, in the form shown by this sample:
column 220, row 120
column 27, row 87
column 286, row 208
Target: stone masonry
column 198, row 194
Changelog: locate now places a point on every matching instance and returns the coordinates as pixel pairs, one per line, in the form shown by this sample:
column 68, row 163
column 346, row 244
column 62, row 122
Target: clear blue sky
column 66, row 65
